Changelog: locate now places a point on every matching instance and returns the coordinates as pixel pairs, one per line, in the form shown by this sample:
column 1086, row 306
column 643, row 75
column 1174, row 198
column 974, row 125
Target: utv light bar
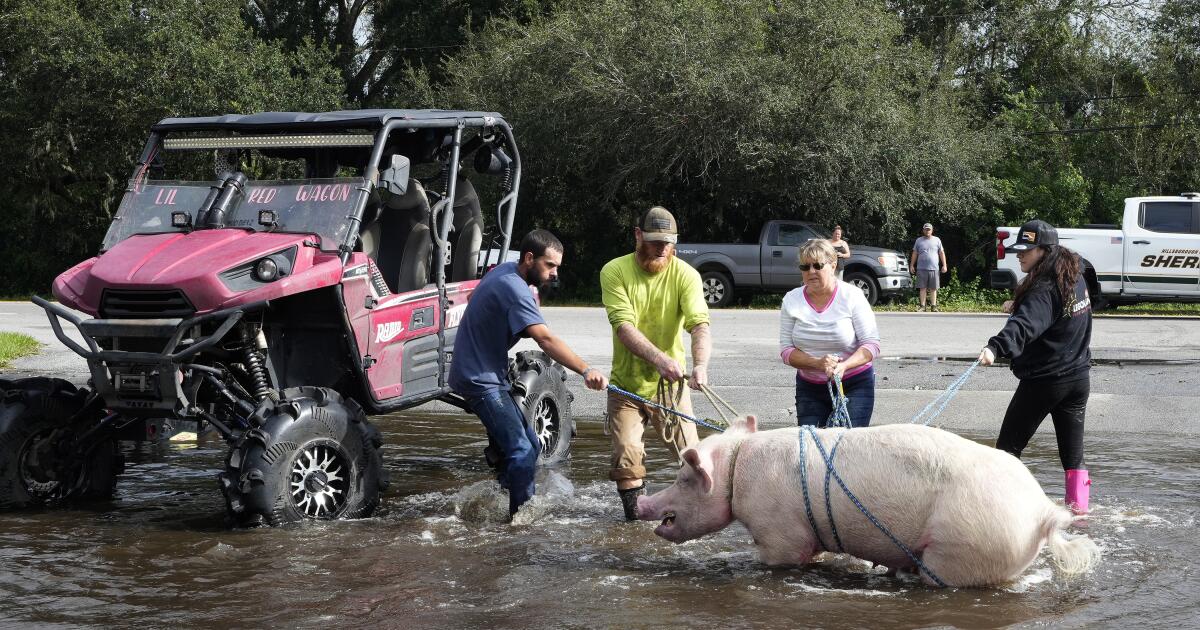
column 270, row 142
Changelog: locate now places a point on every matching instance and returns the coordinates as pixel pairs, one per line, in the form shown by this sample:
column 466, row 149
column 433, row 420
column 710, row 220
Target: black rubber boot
column 629, row 498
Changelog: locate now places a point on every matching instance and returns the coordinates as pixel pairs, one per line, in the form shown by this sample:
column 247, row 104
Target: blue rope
column 944, row 397
column 804, row 488
column 633, row 396
column 828, row 474
column 828, row 457
column 840, row 416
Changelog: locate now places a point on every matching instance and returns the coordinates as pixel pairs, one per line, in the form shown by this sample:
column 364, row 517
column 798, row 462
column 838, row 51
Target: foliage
column 729, row 114
column 876, row 115
column 84, row 79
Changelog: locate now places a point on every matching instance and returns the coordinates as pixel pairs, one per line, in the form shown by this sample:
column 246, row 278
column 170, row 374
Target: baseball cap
column 657, row 224
column 1032, row 234
column 927, row 226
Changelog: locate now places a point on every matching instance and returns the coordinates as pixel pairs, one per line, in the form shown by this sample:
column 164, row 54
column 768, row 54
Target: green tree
column 729, row 113
column 84, row 79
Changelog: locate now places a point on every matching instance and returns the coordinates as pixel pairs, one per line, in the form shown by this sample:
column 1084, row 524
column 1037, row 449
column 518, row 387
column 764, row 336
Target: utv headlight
column 266, row 270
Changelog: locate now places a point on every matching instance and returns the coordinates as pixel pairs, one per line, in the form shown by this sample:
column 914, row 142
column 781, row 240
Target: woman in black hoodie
column 1047, row 338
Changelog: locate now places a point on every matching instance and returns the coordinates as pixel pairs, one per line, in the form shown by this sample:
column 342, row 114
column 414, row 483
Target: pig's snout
column 648, row 509
column 644, row 507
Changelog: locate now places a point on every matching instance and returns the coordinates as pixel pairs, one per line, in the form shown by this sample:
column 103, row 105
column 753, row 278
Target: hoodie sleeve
column 1032, row 318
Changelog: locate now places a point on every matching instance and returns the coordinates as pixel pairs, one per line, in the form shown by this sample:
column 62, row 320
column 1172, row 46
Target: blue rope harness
column 830, row 472
column 839, row 417
column 633, row 396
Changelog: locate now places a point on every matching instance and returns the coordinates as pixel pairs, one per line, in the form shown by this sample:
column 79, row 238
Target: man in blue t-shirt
column 499, row 313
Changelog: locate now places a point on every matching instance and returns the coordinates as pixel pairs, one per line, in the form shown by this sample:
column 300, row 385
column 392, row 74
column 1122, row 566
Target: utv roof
column 359, row 118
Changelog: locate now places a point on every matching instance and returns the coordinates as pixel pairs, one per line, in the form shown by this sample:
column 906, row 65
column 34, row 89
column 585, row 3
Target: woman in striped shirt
column 827, row 329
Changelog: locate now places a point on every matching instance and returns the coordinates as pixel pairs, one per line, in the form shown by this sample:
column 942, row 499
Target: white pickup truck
column 1153, row 256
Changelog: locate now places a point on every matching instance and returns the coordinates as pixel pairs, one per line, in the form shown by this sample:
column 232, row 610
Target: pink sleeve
column 872, row 347
column 787, row 354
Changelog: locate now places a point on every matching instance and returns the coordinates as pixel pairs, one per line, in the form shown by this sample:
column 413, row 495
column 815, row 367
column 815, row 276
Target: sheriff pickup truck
column 1153, row 256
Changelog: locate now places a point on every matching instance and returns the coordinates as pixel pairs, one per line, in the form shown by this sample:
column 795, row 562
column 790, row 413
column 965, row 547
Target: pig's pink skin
column 975, row 515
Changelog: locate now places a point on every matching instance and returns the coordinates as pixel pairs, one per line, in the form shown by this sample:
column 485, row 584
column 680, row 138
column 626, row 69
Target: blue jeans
column 506, row 427
column 813, row 404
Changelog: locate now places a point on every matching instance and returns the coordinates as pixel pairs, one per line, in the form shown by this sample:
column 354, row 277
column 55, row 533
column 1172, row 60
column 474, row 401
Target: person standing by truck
column 499, row 313
column 927, row 257
column 651, row 297
column 1048, row 337
column 827, row 329
column 842, row 248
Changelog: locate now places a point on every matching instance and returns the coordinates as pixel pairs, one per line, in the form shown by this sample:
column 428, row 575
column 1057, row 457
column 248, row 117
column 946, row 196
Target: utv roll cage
column 379, row 123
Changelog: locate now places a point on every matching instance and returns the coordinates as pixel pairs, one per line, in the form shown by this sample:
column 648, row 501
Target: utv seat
column 468, row 233
column 399, row 241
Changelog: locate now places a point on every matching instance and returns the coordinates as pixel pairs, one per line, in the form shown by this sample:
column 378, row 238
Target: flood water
column 439, row 555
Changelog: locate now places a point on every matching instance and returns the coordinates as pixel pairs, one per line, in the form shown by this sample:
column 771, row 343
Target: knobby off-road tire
column 313, row 456
column 34, row 415
column 539, row 388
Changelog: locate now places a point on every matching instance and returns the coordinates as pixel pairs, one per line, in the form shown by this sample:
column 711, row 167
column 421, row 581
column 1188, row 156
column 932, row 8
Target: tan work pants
column 626, row 424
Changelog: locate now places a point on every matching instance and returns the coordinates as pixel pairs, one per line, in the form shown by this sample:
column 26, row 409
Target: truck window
column 1169, row 216
column 790, row 235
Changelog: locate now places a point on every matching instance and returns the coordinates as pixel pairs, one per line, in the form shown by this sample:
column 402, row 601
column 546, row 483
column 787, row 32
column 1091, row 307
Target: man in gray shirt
column 926, row 255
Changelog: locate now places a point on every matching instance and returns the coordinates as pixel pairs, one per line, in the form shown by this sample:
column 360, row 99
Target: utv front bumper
column 144, row 383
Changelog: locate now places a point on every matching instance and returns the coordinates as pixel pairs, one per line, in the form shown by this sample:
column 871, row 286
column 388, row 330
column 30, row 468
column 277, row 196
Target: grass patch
column 1192, row 310
column 15, row 346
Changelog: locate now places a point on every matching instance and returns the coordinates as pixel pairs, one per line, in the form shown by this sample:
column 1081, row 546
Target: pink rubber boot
column 1077, row 490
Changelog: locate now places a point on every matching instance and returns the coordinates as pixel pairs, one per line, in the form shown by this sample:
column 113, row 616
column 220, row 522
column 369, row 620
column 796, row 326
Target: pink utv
column 278, row 277
column 973, row 515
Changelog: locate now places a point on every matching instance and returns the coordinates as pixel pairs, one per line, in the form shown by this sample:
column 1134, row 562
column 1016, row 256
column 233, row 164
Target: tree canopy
column 878, row 115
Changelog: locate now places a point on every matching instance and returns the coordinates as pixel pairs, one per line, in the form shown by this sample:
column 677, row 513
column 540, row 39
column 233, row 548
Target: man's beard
column 533, row 279
column 651, row 263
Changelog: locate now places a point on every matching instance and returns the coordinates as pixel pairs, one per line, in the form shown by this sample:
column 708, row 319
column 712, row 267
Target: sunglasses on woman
column 807, row 266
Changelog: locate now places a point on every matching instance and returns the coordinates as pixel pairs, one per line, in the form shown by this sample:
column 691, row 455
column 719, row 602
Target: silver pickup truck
column 770, row 266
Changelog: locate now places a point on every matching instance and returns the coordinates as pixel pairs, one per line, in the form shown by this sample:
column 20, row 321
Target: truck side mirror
column 394, row 178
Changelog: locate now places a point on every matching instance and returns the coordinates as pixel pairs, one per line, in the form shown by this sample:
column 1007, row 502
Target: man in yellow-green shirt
column 651, row 297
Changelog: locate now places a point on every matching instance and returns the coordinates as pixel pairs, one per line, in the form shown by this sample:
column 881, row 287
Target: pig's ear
column 692, row 458
column 749, row 424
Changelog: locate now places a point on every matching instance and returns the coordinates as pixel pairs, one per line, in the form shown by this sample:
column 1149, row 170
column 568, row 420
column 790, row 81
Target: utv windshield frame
column 390, row 131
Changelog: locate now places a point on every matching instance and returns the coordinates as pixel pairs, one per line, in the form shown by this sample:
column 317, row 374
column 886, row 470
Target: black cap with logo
column 1032, row 234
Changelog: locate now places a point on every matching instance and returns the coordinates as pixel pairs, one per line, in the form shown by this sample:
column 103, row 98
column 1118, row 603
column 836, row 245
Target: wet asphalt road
column 1146, row 377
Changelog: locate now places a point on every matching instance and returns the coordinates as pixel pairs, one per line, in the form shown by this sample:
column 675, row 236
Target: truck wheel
column 539, row 387
column 718, row 288
column 34, row 423
column 312, row 456
column 866, row 284
column 1099, row 302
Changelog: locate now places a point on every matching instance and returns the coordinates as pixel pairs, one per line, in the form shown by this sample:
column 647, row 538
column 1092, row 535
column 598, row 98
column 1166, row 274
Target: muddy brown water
column 438, row 555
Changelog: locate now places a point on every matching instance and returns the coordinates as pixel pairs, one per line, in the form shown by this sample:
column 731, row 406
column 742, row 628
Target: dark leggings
column 1066, row 402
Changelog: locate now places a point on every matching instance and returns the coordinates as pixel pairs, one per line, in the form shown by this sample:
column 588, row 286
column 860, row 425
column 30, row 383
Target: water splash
column 481, row 502
column 552, row 491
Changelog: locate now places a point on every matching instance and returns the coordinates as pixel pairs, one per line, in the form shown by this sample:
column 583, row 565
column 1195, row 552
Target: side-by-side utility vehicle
column 277, row 277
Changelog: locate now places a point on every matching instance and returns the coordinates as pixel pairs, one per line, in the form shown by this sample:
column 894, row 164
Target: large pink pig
column 973, row 515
